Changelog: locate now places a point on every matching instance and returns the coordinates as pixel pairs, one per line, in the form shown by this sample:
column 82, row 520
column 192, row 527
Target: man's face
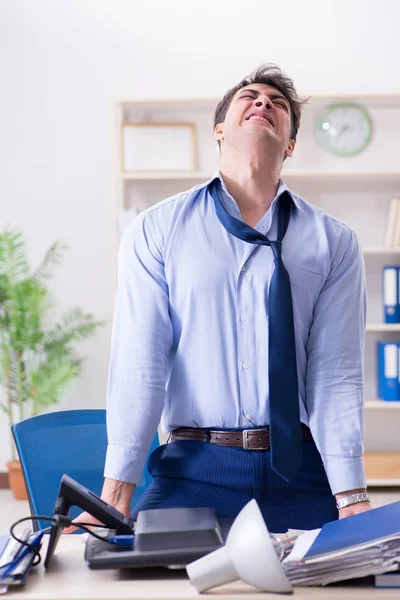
column 258, row 113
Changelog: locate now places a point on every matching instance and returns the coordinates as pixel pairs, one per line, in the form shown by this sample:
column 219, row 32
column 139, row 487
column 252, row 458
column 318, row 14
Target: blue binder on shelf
column 388, row 371
column 391, row 293
column 370, row 526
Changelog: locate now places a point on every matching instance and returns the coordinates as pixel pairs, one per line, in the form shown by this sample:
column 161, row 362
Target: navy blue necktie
column 284, row 414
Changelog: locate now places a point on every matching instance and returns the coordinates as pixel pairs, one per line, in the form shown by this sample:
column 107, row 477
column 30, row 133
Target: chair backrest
column 72, row 442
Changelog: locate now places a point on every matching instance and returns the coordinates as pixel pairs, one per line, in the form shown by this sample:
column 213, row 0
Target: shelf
column 371, row 250
column 382, row 468
column 382, row 405
column 171, row 104
column 313, row 175
column 383, row 327
column 159, row 175
column 383, row 482
column 321, row 175
column 355, row 190
column 373, row 100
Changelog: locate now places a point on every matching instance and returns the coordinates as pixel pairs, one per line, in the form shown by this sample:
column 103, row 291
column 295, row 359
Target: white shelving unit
column 381, row 405
column 383, row 482
column 362, row 178
column 377, row 250
column 383, row 327
column 354, row 189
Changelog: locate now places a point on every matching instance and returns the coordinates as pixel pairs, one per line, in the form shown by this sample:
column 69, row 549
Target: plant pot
column 16, row 480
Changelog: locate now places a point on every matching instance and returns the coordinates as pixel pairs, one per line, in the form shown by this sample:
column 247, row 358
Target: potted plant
column 38, row 361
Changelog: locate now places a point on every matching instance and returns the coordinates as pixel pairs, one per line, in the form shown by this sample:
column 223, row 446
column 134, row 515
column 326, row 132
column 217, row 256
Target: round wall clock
column 344, row 129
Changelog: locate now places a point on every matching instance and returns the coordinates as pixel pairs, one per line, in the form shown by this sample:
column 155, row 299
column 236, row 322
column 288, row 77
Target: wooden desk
column 69, row 578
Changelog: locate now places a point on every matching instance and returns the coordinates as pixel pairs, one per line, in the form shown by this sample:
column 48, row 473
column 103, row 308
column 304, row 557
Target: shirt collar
column 282, row 188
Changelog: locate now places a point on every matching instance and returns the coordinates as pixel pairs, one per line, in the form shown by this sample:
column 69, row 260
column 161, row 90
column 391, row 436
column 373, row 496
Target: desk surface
column 69, row 578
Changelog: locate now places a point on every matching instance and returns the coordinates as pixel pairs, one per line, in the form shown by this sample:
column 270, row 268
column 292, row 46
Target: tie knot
column 276, row 246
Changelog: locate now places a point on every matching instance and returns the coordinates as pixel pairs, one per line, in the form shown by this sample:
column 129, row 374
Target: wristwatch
column 352, row 499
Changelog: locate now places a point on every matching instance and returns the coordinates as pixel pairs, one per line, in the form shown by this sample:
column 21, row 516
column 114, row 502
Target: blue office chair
column 72, row 442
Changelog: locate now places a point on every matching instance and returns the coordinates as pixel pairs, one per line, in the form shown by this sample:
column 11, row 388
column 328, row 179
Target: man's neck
column 252, row 186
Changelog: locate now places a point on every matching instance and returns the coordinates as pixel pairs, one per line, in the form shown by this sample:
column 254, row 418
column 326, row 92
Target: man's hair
column 268, row 74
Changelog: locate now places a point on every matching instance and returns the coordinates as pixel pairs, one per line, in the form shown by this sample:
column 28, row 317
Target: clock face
column 344, row 129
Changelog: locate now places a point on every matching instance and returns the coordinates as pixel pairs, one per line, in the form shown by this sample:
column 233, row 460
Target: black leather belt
column 249, row 439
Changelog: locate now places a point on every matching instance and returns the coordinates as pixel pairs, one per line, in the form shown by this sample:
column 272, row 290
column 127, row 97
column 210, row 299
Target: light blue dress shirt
column 190, row 336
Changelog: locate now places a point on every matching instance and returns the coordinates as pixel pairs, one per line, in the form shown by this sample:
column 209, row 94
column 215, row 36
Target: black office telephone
column 169, row 537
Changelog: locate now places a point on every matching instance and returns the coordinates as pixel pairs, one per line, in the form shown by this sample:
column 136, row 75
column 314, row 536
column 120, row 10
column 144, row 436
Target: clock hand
column 342, row 130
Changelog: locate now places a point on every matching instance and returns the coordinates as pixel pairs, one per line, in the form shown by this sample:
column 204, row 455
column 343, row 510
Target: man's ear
column 219, row 131
column 290, row 148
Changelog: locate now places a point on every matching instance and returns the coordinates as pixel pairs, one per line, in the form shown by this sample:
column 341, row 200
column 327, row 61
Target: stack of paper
column 388, row 580
column 16, row 559
column 365, row 544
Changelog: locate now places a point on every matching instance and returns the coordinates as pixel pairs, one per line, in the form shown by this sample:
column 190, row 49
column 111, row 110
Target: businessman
column 239, row 324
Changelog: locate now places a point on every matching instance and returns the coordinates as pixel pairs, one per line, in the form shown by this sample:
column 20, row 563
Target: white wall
column 63, row 62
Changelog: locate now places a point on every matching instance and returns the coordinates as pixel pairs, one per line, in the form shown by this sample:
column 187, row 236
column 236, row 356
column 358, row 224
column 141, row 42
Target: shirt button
column 245, row 365
column 243, row 318
column 243, row 269
column 248, row 417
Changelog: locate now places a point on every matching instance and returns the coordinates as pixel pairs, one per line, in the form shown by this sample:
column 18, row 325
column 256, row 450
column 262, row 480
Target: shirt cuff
column 344, row 473
column 124, row 464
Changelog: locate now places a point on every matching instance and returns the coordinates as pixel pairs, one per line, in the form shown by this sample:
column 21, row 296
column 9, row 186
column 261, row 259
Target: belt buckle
column 246, row 441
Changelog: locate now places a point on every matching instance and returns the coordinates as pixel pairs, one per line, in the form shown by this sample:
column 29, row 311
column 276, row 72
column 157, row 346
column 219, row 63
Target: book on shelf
column 396, row 241
column 391, row 293
column 388, row 371
column 392, row 231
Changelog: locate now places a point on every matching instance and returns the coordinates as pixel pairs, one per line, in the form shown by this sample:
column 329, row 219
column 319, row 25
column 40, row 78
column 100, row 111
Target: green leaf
column 51, row 380
column 52, row 259
column 75, row 325
column 16, row 378
column 38, row 359
column 14, row 265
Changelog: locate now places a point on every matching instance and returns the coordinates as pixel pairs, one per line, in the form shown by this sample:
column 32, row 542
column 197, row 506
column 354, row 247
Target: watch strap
column 352, row 499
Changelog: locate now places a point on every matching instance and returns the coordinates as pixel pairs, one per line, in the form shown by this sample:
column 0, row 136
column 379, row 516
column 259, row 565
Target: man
column 207, row 338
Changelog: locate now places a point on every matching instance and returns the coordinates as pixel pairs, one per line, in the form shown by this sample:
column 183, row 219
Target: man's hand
column 82, row 518
column 117, row 494
column 354, row 509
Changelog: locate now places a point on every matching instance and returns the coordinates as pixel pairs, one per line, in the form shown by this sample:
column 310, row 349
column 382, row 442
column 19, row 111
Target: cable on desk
column 55, row 520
